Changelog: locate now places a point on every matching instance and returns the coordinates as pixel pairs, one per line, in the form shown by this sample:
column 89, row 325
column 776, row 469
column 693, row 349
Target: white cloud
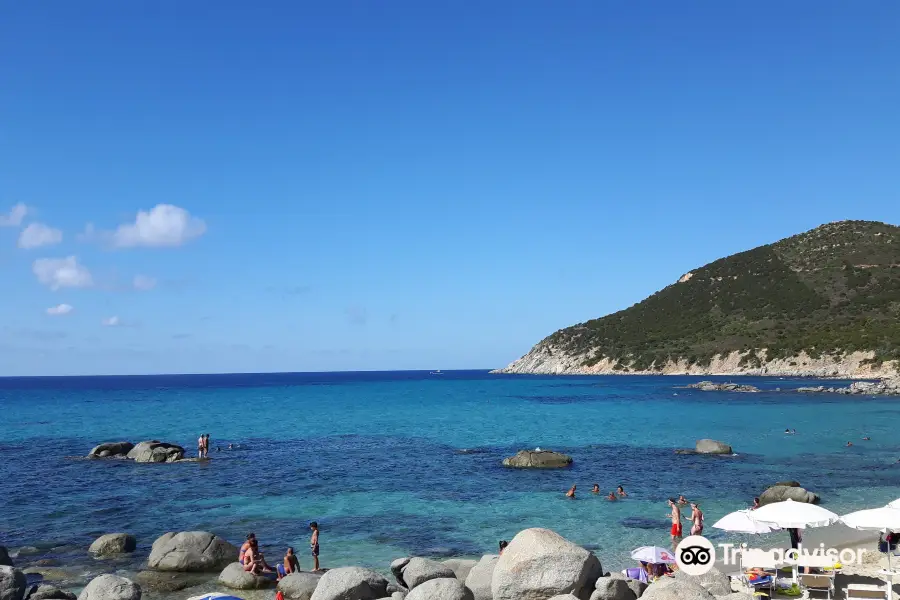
column 37, row 235
column 111, row 322
column 15, row 216
column 61, row 273
column 162, row 225
column 144, row 283
column 60, row 309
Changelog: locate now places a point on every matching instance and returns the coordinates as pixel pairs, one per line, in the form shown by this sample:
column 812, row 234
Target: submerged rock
column 113, row 543
column 538, row 459
column 51, row 592
column 191, row 551
column 167, row 582
column 539, row 563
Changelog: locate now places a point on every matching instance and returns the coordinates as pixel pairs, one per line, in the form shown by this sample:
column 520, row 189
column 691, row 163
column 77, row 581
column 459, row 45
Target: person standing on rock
column 206, row 447
column 314, row 544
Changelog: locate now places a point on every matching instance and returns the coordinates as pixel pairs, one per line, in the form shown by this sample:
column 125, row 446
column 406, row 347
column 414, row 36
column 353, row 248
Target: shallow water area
column 393, row 464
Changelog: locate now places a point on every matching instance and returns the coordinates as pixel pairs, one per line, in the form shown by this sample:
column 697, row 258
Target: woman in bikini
column 696, row 519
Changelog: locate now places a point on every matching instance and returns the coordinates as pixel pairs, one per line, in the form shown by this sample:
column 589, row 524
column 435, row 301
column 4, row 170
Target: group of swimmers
column 618, row 493
column 254, row 562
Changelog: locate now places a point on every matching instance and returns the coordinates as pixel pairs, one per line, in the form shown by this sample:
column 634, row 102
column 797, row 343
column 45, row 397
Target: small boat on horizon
column 438, row 372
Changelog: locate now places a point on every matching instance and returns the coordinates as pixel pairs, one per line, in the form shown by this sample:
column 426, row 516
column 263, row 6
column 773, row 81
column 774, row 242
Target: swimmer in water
column 571, row 493
column 621, row 491
column 595, row 489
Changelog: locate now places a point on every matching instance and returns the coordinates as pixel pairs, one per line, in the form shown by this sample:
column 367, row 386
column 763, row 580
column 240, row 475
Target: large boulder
column 12, row 583
column 481, row 575
column 51, row 592
column 235, row 577
column 460, row 567
column 712, row 447
column 113, row 543
column 5, row 560
column 110, row 587
column 612, row 588
column 672, row 588
column 441, row 589
column 166, row 582
column 419, row 570
column 299, row 586
column 713, row 581
column 350, row 583
column 538, row 459
column 111, row 449
column 539, row 563
column 191, row 551
column 397, row 569
column 780, row 493
column 154, row 451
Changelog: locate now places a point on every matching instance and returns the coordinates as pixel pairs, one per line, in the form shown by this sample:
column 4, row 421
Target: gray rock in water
column 350, row 583
column 5, row 560
column 538, row 459
column 712, row 447
column 170, row 581
column 12, row 583
column 154, row 451
column 480, row 577
column 113, row 543
column 235, row 577
column 713, row 581
column 612, row 588
column 110, row 587
column 445, row 588
column 712, row 386
column 111, row 449
column 780, row 493
column 299, row 586
column 51, row 592
column 419, row 570
column 191, row 551
column 460, row 566
column 539, row 563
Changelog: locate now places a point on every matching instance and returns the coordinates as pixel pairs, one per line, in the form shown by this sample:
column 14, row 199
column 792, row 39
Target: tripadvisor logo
column 695, row 555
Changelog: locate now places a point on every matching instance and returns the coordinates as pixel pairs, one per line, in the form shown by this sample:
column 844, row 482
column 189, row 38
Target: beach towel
column 637, row 573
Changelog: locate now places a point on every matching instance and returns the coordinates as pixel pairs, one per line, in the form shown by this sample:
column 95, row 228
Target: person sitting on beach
column 612, row 496
column 571, row 492
column 621, row 491
column 254, row 561
column 503, row 545
column 595, row 489
column 245, row 546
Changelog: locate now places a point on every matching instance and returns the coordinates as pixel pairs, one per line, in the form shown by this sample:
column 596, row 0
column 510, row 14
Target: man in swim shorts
column 676, row 522
column 314, row 544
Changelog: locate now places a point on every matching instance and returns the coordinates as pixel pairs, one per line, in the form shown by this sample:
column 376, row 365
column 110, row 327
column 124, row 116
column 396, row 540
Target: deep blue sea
column 399, row 463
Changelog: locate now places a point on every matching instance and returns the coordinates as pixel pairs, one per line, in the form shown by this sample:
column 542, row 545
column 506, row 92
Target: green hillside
column 830, row 290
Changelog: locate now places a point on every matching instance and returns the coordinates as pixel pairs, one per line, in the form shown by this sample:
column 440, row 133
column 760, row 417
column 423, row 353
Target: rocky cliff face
column 547, row 360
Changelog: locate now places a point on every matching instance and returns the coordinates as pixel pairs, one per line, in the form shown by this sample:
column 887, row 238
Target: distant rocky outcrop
column 539, row 563
column 885, row 387
column 191, row 551
column 712, row 386
column 787, row 490
column 151, row 451
column 538, row 459
column 113, row 543
column 707, row 446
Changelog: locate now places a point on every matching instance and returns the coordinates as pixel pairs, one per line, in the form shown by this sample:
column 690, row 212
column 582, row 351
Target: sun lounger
column 863, row 590
column 823, row 584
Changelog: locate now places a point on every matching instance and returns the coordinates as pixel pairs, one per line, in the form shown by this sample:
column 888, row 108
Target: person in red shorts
column 676, row 522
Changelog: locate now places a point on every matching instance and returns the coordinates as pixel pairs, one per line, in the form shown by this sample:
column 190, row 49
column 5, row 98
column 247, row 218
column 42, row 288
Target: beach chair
column 757, row 559
column 821, row 584
column 864, row 590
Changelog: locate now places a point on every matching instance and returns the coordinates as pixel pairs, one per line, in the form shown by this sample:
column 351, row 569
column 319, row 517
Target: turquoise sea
column 398, row 463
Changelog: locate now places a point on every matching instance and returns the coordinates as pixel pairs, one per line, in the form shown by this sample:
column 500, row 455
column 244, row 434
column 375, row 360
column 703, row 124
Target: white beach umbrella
column 895, row 503
column 653, row 554
column 743, row 521
column 874, row 519
column 795, row 515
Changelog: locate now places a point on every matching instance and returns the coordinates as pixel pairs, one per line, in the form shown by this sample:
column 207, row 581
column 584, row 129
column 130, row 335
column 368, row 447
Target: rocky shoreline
column 537, row 564
column 545, row 359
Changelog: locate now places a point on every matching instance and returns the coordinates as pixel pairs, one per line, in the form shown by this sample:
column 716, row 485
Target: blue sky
column 403, row 185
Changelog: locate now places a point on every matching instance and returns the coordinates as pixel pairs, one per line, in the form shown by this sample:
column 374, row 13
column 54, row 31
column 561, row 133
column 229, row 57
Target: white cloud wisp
column 15, row 216
column 60, row 309
column 37, row 235
column 165, row 225
column 143, row 283
column 59, row 273
column 111, row 322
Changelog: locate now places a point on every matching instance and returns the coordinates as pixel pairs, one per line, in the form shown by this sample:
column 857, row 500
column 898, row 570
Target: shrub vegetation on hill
column 833, row 289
